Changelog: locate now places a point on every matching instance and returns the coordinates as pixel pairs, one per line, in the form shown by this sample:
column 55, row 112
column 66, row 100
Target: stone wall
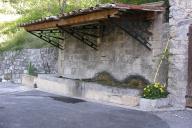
column 180, row 19
column 118, row 54
column 16, row 62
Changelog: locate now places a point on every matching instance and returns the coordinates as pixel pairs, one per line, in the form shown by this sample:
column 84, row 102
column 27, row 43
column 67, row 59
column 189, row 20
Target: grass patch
column 22, row 40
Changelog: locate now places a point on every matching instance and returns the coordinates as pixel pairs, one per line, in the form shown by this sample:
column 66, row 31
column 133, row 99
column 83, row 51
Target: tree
column 62, row 5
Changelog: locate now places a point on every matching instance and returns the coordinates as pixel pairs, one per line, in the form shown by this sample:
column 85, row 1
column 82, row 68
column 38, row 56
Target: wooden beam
column 74, row 20
column 139, row 16
column 90, row 17
column 41, row 26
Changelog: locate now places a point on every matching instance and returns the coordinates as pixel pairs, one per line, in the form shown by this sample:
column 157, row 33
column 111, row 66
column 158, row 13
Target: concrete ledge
column 87, row 90
column 28, row 80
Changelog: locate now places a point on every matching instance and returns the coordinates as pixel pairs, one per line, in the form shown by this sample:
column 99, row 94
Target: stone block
column 92, row 91
column 28, row 80
column 151, row 104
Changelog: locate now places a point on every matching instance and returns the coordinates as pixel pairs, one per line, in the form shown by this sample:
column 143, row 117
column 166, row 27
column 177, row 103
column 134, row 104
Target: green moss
column 133, row 81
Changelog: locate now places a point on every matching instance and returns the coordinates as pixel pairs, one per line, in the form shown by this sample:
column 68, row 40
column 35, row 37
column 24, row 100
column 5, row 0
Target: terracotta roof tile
column 120, row 7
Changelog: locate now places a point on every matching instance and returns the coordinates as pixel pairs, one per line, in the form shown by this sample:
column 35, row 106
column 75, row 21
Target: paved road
column 177, row 119
column 35, row 109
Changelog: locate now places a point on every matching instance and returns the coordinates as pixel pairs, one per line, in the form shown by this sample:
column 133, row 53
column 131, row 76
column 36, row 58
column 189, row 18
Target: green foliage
column 31, row 70
column 2, row 11
column 155, row 91
column 9, row 28
column 29, row 10
column 21, row 40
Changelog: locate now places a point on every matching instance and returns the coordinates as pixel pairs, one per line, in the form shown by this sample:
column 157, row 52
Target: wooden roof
column 92, row 14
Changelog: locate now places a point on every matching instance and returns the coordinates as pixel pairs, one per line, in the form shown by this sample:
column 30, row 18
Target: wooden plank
column 189, row 102
column 139, row 16
column 79, row 19
column 41, row 26
column 90, row 17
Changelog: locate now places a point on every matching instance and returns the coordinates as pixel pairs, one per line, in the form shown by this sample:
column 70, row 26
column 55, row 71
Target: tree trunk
column 63, row 5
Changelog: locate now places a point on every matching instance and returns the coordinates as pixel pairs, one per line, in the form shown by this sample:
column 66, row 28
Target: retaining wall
column 15, row 63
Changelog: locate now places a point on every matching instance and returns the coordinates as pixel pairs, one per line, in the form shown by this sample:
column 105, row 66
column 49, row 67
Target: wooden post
column 189, row 87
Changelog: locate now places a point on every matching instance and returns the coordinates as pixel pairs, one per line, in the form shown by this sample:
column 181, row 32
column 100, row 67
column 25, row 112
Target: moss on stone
column 132, row 81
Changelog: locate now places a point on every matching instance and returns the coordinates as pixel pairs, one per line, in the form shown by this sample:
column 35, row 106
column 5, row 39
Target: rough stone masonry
column 180, row 19
column 118, row 54
column 15, row 63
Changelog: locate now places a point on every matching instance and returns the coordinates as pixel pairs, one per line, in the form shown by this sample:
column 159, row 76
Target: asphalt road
column 34, row 109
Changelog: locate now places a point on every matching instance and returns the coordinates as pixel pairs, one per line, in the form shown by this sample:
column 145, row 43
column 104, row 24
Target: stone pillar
column 180, row 19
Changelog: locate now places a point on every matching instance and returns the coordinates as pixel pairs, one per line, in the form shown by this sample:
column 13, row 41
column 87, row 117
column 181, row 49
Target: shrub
column 31, row 70
column 7, row 76
column 155, row 91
